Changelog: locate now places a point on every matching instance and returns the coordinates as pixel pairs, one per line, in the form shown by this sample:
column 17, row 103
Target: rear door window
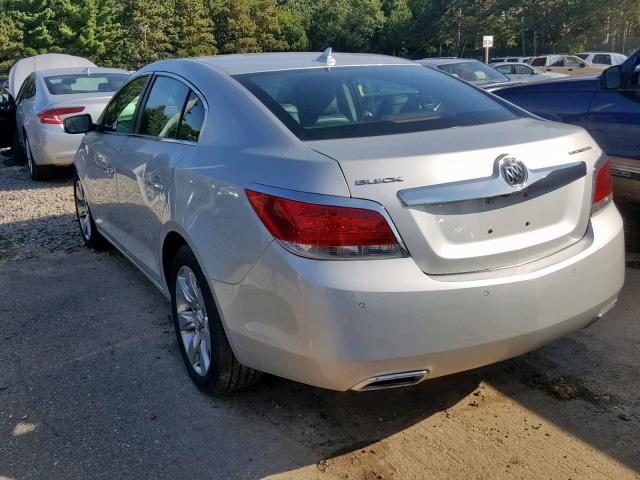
column 28, row 89
column 506, row 69
column 572, row 62
column 162, row 111
column 539, row 62
column 192, row 119
column 522, row 70
column 602, row 59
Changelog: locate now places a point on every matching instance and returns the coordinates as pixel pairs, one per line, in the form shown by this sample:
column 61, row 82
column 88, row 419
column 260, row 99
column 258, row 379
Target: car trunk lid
column 93, row 104
column 448, row 198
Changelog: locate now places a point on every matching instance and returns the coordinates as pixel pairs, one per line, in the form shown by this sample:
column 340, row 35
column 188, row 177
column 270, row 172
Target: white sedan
column 521, row 72
column 46, row 98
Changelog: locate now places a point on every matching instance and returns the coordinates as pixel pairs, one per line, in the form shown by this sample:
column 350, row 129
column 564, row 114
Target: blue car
column 608, row 106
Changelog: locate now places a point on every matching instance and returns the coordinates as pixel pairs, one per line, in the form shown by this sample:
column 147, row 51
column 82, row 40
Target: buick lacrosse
column 347, row 221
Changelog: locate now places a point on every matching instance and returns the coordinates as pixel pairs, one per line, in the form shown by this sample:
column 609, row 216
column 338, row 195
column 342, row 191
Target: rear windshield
column 349, row 102
column 85, row 83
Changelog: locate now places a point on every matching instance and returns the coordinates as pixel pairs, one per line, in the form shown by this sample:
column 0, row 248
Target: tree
column 11, row 45
column 293, row 28
column 192, row 29
column 347, row 25
column 148, row 26
column 394, row 35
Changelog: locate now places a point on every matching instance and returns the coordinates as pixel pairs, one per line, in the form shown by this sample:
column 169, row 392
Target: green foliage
column 192, row 29
column 131, row 33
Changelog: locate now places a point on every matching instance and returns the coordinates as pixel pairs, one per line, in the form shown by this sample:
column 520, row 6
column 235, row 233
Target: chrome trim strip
column 540, row 180
column 331, row 200
column 412, row 378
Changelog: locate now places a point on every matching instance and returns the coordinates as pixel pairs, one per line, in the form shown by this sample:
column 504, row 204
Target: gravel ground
column 35, row 218
column 92, row 386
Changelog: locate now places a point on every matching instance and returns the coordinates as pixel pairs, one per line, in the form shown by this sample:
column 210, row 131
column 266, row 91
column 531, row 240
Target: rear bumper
column 51, row 146
column 336, row 324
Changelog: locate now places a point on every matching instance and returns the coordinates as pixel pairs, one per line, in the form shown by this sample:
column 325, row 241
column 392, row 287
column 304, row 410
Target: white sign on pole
column 487, row 41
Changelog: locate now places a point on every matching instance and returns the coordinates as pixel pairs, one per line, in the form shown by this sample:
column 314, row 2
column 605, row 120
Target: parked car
column 46, row 98
column 567, row 64
column 347, row 221
column 509, row 60
column 522, row 72
column 603, row 58
column 470, row 70
column 608, row 106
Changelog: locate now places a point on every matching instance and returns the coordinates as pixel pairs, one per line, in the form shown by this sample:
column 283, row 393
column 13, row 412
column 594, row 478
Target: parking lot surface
column 92, row 386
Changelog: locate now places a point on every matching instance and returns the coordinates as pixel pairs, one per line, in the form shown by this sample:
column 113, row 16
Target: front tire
column 203, row 342
column 90, row 235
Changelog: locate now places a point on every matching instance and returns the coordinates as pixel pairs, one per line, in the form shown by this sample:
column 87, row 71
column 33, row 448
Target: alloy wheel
column 82, row 209
column 27, row 147
column 193, row 320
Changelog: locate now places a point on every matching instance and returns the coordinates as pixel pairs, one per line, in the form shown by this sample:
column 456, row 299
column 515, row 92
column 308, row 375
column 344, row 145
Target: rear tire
column 90, row 235
column 199, row 330
column 37, row 172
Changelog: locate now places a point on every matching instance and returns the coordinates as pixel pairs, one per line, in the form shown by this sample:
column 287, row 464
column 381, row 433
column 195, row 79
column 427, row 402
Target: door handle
column 155, row 184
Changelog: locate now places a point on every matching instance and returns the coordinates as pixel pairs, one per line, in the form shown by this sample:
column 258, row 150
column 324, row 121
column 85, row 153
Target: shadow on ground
column 92, row 386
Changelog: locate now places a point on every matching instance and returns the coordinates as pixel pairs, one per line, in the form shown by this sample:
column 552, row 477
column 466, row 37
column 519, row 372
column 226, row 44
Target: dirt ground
column 92, row 386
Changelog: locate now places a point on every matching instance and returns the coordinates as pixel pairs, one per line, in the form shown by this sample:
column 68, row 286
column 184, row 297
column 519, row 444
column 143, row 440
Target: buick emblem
column 513, row 171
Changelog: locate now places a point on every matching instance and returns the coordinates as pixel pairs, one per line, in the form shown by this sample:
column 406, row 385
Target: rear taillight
column 602, row 187
column 52, row 117
column 326, row 231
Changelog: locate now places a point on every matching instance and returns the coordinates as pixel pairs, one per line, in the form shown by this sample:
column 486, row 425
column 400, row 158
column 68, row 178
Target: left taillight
column 602, row 187
column 52, row 117
column 325, row 231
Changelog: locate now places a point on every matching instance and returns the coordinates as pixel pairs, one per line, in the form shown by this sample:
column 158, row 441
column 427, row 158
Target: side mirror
column 78, row 124
column 611, row 78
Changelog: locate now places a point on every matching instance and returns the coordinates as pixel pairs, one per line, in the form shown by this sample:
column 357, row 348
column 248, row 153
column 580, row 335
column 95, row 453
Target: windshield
column 85, row 83
column 347, row 102
column 474, row 72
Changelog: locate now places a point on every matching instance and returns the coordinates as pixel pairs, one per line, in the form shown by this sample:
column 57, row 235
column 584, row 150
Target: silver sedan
column 46, row 98
column 347, row 221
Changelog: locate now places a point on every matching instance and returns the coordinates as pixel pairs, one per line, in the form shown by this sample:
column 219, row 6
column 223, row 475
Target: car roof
column 511, row 63
column 446, row 61
column 266, row 62
column 79, row 71
column 599, row 53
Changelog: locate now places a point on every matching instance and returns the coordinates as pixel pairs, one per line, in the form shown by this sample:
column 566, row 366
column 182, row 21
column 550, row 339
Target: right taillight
column 602, row 187
column 326, row 231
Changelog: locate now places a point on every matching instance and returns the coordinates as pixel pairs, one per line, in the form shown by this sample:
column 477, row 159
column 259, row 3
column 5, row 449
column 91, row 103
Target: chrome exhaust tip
column 391, row 380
